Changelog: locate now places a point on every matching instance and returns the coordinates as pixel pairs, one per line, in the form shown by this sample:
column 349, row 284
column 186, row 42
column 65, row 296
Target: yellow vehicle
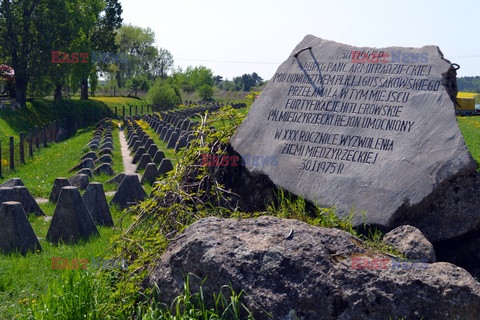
column 465, row 106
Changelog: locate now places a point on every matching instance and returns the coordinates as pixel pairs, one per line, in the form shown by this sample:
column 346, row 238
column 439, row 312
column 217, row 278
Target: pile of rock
column 297, row 271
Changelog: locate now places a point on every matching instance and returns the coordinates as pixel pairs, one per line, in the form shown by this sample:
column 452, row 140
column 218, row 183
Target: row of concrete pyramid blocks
column 146, row 153
column 177, row 135
column 75, row 217
column 99, row 159
column 175, row 128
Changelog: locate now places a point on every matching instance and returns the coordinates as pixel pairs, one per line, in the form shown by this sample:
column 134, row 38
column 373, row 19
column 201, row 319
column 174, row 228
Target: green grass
column 40, row 172
column 41, row 112
column 24, row 279
column 470, row 128
column 169, row 153
column 192, row 305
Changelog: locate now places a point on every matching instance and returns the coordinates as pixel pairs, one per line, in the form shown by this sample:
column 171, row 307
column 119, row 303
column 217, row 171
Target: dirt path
column 129, row 167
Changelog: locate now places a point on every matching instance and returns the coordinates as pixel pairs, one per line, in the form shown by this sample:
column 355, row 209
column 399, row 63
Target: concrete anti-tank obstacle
column 22, row 195
column 144, row 160
column 165, row 166
column 86, row 171
column 89, row 155
column 129, row 192
column 117, row 180
column 86, row 163
column 159, row 156
column 105, row 169
column 80, row 181
column 96, row 203
column 57, row 187
column 71, row 220
column 16, row 233
column 13, row 182
column 150, row 174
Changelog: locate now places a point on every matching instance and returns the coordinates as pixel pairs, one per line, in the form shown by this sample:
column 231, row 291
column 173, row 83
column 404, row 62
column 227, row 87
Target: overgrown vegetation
column 189, row 305
column 191, row 192
column 188, row 193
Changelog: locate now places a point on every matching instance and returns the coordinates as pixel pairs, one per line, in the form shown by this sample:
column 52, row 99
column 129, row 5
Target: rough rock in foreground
column 290, row 268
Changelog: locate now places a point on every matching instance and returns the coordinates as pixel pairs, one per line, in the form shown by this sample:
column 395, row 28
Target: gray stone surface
column 80, row 181
column 297, row 271
column 16, row 233
column 150, row 174
column 96, row 203
column 58, row 184
column 71, row 220
column 129, row 192
column 411, row 242
column 376, row 137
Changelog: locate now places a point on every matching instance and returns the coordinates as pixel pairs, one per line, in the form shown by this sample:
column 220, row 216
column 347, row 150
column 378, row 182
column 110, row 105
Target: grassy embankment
column 24, row 279
column 145, row 242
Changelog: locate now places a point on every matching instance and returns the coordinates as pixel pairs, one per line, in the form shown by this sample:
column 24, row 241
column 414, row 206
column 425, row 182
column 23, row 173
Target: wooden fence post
column 30, row 144
column 45, row 136
column 12, row 155
column 1, row 175
column 37, row 140
column 22, row 149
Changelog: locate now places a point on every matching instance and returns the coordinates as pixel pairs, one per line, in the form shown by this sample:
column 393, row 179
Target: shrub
column 163, row 96
column 205, row 92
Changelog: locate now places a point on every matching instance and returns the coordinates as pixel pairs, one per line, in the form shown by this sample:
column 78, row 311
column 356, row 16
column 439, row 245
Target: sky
column 237, row 37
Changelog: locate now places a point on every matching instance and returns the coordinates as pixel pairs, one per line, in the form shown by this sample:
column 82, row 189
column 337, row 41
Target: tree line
column 468, row 84
column 58, row 47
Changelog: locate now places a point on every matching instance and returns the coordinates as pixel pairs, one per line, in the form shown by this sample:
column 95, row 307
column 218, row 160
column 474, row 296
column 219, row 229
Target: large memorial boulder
column 371, row 130
column 96, row 203
column 16, row 233
column 71, row 221
column 293, row 270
